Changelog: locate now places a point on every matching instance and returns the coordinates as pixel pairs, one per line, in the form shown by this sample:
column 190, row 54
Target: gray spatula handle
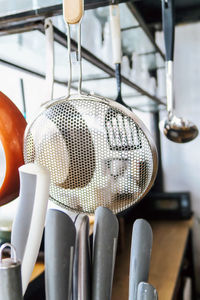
column 105, row 237
column 146, row 292
column 82, row 260
column 60, row 237
column 141, row 246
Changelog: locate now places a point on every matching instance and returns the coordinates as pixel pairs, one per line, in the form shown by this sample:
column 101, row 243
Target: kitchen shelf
column 27, row 25
column 20, row 11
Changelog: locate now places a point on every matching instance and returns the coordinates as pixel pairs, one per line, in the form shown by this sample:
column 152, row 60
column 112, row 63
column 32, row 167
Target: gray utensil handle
column 105, row 237
column 146, row 292
column 82, row 261
column 60, row 234
column 141, row 246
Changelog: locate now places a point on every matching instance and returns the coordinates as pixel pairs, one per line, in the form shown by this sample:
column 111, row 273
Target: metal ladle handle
column 170, row 87
column 73, row 11
column 168, row 28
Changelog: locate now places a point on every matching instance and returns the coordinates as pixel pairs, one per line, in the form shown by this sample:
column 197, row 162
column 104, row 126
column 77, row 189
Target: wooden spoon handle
column 73, row 11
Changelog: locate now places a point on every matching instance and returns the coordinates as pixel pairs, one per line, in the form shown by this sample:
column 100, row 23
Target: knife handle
column 141, row 247
column 60, row 235
column 105, row 237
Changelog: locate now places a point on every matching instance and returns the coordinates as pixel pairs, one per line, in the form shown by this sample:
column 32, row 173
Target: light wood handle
column 73, row 11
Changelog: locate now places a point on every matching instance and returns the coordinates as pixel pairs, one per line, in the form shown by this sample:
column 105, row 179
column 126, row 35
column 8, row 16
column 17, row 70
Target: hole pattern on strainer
column 97, row 155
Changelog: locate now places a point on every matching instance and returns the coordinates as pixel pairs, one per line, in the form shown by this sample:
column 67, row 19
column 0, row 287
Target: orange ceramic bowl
column 12, row 127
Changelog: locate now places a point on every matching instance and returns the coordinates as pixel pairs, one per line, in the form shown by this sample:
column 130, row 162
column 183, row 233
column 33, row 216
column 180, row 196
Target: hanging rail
column 34, row 20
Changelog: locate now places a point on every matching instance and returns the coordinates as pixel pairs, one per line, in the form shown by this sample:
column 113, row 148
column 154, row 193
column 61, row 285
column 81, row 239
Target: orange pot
column 12, row 126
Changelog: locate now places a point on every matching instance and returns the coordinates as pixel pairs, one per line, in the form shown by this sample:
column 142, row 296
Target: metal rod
column 20, row 28
column 23, row 96
column 79, row 58
column 69, row 58
column 36, row 74
column 32, row 18
column 142, row 23
column 170, row 87
column 60, row 38
column 64, row 83
column 46, row 12
column 147, row 53
column 159, row 182
column 89, row 78
column 41, row 75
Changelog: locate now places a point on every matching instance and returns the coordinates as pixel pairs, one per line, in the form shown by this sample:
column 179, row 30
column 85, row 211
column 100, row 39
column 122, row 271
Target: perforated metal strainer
column 70, row 138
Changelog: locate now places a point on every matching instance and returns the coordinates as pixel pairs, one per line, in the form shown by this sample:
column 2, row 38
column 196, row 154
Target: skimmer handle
column 168, row 28
column 73, row 11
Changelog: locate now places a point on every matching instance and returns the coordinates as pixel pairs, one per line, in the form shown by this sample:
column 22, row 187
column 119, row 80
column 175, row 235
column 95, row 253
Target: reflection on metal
column 23, row 97
column 143, row 25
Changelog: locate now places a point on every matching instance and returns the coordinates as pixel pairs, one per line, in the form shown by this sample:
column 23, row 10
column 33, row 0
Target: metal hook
column 13, row 251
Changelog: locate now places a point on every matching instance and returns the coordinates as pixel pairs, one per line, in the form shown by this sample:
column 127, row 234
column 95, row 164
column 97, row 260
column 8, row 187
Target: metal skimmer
column 69, row 137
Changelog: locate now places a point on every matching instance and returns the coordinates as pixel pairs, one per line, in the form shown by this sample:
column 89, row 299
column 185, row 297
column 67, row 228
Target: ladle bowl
column 179, row 130
column 175, row 129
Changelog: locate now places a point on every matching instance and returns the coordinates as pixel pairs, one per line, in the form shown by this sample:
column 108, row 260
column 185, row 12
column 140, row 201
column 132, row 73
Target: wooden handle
column 73, row 11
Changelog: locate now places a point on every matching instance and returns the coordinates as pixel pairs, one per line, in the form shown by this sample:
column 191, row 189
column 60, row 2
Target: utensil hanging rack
column 30, row 20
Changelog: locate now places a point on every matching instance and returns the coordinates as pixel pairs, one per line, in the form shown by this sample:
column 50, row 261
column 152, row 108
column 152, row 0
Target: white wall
column 181, row 162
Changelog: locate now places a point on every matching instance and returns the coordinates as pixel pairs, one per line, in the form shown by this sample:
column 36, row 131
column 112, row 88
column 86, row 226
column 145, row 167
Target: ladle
column 175, row 128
